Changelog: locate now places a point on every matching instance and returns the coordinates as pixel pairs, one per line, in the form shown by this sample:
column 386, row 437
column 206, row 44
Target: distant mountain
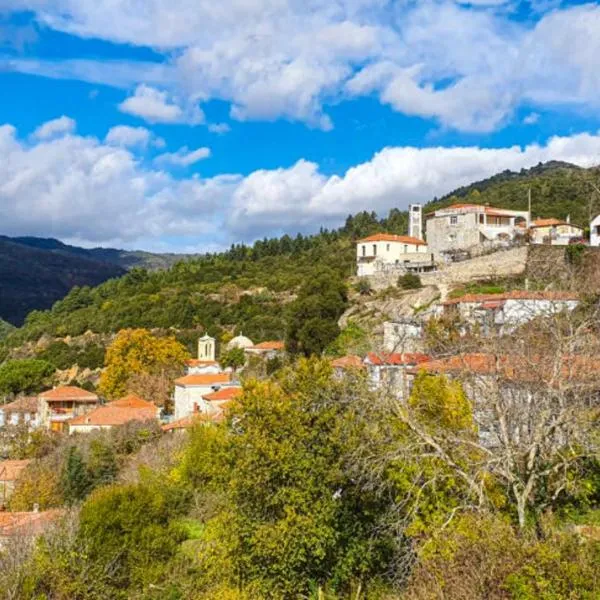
column 34, row 278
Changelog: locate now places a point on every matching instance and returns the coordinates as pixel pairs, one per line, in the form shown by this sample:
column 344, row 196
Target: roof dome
column 240, row 341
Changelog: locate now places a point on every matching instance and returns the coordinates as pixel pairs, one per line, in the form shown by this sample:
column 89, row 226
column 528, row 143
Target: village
column 203, row 393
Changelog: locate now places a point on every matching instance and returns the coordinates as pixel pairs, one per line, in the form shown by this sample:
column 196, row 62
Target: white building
column 415, row 221
column 595, row 231
column 23, row 411
column 384, row 251
column 503, row 313
column 206, row 363
column 190, row 390
column 473, row 226
column 554, row 232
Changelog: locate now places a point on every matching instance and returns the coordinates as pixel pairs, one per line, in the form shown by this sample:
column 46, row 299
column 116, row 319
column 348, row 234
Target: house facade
column 503, row 313
column 266, row 350
column 595, row 232
column 58, row 406
column 191, row 389
column 468, row 227
column 384, row 251
column 554, row 232
column 10, row 471
column 23, row 411
column 122, row 411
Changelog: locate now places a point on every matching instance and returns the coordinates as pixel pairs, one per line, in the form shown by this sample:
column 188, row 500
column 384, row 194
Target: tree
column 292, row 514
column 312, row 322
column 102, row 464
column 135, row 352
column 25, row 376
column 234, row 358
column 76, row 481
column 409, row 281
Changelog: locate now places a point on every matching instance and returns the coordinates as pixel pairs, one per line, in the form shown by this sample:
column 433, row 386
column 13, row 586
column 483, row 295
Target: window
column 481, row 219
column 387, row 247
column 374, row 249
column 405, row 248
column 453, row 220
column 364, row 250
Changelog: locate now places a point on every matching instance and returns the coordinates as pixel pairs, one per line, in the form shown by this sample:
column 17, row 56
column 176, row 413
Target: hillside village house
column 58, row 406
column 190, row 390
column 384, row 251
column 384, row 370
column 266, row 350
column 10, row 471
column 595, row 231
column 503, row 313
column 26, row 525
column 470, row 227
column 122, row 411
column 554, row 232
column 23, row 411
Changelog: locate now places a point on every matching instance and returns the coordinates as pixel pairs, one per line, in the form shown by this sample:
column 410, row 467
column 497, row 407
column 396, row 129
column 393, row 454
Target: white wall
column 187, row 395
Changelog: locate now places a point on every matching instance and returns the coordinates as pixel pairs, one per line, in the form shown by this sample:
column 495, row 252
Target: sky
column 189, row 125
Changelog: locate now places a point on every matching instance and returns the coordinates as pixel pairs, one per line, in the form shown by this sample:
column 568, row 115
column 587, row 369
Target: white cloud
column 184, row 157
column 219, row 128
column 466, row 64
column 123, row 135
column 155, row 106
column 81, row 188
column 531, row 119
column 55, row 127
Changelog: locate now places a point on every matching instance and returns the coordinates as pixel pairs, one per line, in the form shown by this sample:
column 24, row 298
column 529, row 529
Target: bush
column 409, row 281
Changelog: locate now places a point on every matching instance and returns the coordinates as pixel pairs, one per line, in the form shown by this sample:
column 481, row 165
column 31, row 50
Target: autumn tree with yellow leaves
column 137, row 352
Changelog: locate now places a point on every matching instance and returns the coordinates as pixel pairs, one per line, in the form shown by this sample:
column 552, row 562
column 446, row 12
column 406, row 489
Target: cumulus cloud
column 154, row 106
column 184, row 157
column 55, row 127
column 123, row 135
column 82, row 188
column 219, row 128
column 448, row 60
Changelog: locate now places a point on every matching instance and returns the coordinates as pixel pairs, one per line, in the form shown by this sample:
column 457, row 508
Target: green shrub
column 409, row 281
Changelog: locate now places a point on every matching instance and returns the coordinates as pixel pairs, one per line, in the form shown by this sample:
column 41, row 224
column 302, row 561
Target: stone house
column 473, row 227
column 554, row 232
column 266, row 350
column 122, row 411
column 22, row 411
column 384, row 251
column 503, row 313
column 10, row 471
column 26, row 525
column 58, row 406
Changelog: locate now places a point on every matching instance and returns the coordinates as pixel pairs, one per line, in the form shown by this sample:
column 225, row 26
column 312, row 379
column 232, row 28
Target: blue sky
column 187, row 125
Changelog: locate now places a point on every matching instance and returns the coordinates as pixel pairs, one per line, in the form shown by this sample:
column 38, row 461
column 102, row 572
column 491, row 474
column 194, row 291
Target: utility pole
column 529, row 204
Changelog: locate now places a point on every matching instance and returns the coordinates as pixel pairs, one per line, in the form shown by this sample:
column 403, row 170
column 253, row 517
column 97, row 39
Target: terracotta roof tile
column 132, row 401
column 10, row 470
column 225, row 393
column 27, row 523
column 27, row 404
column 70, row 393
column 194, row 362
column 119, row 412
column 348, row 362
column 550, row 222
column 195, row 419
column 273, row 345
column 397, row 359
column 204, row 379
column 388, row 237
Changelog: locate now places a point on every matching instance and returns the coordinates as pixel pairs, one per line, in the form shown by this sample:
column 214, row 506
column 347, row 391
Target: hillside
column 247, row 288
column 34, row 278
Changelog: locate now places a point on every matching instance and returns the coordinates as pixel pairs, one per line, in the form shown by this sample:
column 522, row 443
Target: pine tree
column 75, row 478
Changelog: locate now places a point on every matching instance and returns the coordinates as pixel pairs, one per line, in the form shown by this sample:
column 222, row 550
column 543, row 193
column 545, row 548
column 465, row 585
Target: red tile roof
column 11, row 469
column 27, row 523
column 552, row 222
column 225, row 393
column 514, row 295
column 388, row 237
column 348, row 362
column 207, row 379
column 194, row 362
column 68, row 393
column 273, row 345
column 397, row 359
column 195, row 419
column 119, row 412
column 26, row 404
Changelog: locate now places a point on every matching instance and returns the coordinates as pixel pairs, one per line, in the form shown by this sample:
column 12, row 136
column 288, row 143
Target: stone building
column 473, row 227
column 554, row 232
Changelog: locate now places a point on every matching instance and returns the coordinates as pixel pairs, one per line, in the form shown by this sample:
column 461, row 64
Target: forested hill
column 247, row 287
column 558, row 189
